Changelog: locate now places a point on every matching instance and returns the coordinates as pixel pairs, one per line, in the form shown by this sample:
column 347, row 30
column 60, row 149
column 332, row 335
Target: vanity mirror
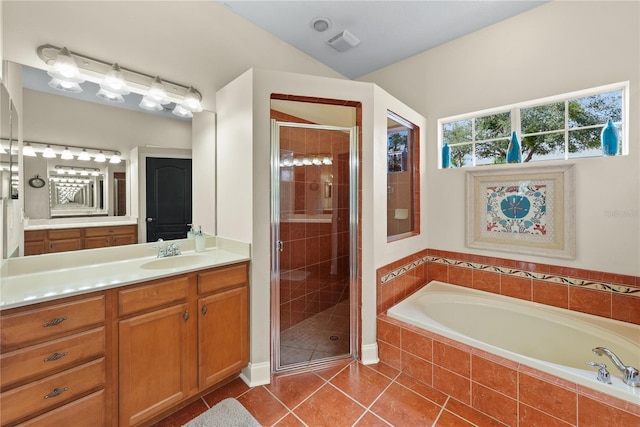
column 61, row 121
column 8, row 147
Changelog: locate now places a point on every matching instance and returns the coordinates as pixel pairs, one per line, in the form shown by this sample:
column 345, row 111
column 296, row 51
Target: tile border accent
column 553, row 278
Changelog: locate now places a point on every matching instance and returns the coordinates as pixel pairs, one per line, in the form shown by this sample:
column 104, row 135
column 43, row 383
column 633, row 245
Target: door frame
column 354, row 294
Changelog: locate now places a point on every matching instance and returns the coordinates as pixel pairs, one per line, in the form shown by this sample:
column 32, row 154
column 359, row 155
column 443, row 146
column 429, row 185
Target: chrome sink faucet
column 631, row 376
column 167, row 250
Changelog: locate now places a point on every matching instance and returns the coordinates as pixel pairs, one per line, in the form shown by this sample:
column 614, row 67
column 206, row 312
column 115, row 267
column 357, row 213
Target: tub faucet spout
column 631, row 374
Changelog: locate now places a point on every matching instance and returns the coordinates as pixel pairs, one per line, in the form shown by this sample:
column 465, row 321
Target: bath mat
column 228, row 413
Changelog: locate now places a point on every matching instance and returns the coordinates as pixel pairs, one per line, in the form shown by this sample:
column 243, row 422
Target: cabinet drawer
column 222, row 278
column 87, row 411
column 97, row 242
column 67, row 233
column 124, row 239
column 42, row 359
column 110, row 231
column 51, row 391
column 64, row 245
column 24, row 327
column 152, row 296
column 34, row 248
column 35, row 236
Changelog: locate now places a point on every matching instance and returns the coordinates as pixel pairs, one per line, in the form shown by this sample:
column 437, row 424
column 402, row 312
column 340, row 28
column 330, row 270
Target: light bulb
column 72, row 172
column 115, row 159
column 28, row 150
column 48, row 153
column 66, row 154
column 84, row 172
column 192, row 100
column 100, row 158
column 84, row 156
column 157, row 92
column 65, row 68
column 114, row 82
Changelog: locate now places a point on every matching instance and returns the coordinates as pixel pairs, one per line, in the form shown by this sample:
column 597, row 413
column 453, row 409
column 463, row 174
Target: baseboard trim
column 255, row 374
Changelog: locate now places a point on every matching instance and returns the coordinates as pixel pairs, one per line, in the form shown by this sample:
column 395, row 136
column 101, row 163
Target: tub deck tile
column 549, row 398
column 591, row 413
column 495, row 404
column 494, row 376
column 530, row 417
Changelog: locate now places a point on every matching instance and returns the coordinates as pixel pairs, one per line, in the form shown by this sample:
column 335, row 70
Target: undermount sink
column 175, row 262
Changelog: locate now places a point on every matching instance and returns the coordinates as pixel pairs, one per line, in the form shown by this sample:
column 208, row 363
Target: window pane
column 542, row 118
column 461, row 155
column 543, row 147
column 494, row 126
column 456, row 132
column 585, row 143
column 596, row 109
column 489, row 153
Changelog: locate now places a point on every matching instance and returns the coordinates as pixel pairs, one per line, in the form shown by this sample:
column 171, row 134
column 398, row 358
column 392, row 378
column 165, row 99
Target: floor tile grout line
column 435, row 422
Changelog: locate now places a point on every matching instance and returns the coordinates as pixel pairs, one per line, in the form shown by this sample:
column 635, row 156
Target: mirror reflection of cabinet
column 38, row 242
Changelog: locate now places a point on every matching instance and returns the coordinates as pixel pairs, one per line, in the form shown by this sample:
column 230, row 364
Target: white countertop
column 30, row 280
column 79, row 222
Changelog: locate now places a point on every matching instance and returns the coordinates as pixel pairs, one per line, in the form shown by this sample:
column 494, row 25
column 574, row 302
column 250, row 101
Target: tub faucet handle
column 631, row 375
column 603, row 374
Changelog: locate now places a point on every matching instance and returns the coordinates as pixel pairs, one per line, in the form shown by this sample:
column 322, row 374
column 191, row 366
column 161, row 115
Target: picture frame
column 528, row 211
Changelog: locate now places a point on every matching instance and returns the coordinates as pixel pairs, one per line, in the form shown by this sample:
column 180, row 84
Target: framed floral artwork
column 529, row 211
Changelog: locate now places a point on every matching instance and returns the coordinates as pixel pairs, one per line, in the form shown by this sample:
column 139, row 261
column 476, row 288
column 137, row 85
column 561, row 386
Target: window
column 402, row 178
column 561, row 127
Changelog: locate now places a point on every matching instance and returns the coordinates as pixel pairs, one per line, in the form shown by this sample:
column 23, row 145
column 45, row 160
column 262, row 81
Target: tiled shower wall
column 314, row 265
column 513, row 394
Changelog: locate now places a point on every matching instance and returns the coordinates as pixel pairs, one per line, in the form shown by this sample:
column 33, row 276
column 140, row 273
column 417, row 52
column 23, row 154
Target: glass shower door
column 313, row 229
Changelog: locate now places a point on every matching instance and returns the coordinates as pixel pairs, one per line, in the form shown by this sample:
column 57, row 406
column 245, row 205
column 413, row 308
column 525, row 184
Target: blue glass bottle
column 609, row 138
column 514, row 155
column 446, row 156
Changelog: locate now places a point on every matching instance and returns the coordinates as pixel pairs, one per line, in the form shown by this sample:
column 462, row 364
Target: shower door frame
column 276, row 245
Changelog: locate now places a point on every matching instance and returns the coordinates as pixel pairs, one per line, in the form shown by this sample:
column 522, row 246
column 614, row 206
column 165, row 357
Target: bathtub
column 550, row 339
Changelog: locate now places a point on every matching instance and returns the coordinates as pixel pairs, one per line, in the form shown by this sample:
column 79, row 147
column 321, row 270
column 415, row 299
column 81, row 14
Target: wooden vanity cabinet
column 179, row 337
column 52, row 362
column 223, row 311
column 72, row 239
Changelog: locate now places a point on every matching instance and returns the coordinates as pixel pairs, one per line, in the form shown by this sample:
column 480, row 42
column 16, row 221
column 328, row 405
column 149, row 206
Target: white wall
column 556, row 48
column 203, row 149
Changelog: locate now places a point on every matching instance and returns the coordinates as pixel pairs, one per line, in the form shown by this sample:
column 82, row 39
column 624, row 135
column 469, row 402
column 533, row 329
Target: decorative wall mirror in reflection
column 75, row 191
column 402, row 178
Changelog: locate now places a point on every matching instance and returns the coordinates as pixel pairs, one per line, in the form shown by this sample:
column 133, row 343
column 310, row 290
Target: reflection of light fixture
column 316, row 160
column 69, row 69
column 115, row 159
column 181, row 111
column 84, row 172
column 109, row 96
column 84, row 156
column 72, row 87
column 73, row 170
column 48, row 153
column 100, row 158
column 66, row 154
column 28, row 150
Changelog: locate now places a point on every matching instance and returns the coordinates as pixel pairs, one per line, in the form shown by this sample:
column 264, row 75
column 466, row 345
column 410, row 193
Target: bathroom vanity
column 135, row 339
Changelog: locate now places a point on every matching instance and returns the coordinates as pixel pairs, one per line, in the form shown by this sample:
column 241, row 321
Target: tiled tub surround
column 511, row 393
column 602, row 294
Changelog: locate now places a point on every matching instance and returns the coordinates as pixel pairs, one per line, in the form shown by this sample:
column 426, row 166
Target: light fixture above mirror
column 67, row 152
column 69, row 69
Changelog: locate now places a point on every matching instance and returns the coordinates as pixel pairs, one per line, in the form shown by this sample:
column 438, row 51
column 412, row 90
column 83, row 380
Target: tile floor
column 322, row 335
column 346, row 394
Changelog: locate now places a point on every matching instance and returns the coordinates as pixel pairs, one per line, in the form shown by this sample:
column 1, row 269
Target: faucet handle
column 603, row 374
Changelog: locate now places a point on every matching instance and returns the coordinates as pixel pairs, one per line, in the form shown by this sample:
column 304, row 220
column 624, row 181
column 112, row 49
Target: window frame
column 515, row 109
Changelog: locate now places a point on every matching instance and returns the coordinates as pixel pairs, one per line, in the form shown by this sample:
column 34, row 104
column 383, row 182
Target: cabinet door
column 97, row 242
column 223, row 341
column 153, row 362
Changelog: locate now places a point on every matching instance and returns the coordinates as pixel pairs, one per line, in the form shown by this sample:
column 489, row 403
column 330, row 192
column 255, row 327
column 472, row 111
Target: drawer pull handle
column 204, row 310
column 56, row 392
column 55, row 321
column 55, row 356
column 186, row 316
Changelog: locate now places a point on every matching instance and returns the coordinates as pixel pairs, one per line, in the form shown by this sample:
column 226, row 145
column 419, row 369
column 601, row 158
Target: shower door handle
column 280, row 244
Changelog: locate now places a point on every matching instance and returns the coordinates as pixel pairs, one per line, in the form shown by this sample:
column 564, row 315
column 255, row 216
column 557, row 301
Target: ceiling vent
column 343, row 41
